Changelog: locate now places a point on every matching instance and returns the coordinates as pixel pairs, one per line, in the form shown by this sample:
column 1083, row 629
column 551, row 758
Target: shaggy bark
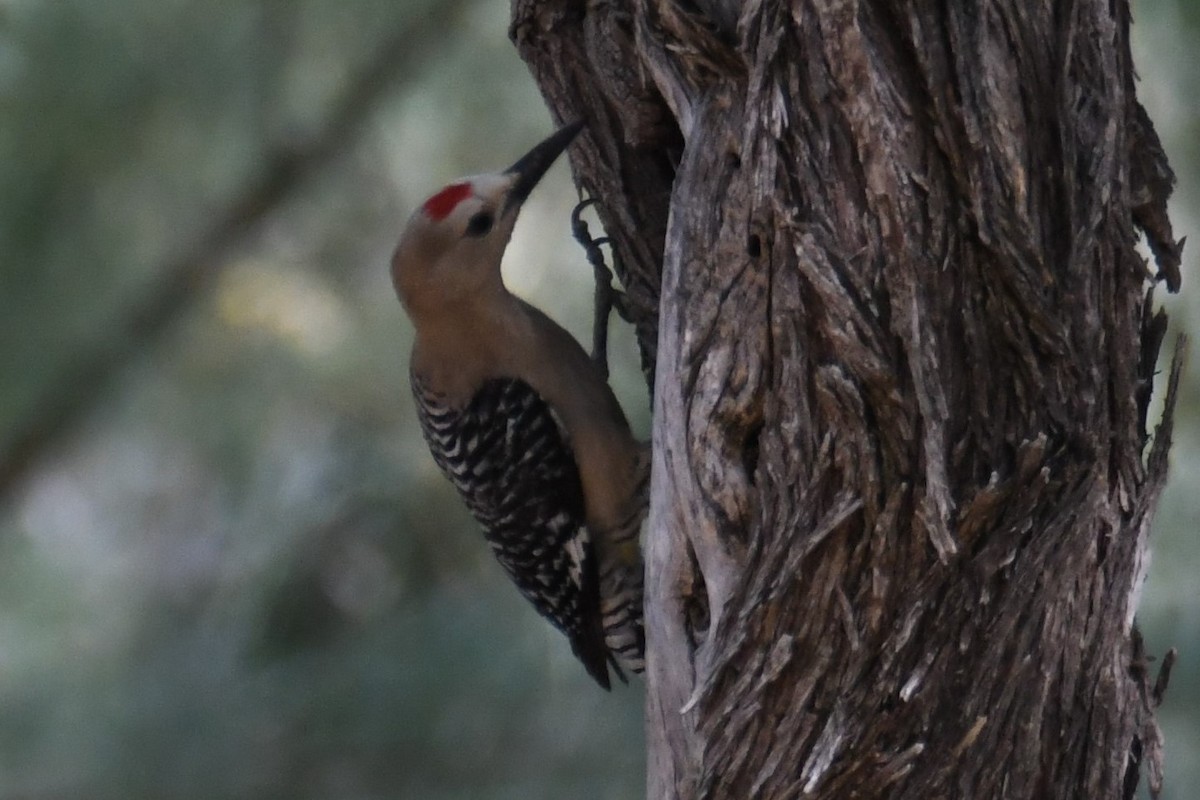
column 881, row 257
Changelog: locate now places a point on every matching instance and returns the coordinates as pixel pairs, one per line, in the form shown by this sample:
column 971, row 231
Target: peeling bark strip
column 903, row 350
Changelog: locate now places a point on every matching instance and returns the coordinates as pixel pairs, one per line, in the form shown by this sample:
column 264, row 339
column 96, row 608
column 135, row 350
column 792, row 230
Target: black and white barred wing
column 510, row 462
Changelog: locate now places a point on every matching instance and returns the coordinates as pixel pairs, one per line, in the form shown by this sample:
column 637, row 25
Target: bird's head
column 452, row 245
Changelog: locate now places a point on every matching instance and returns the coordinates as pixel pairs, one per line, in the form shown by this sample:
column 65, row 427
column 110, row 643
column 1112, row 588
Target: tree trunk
column 881, row 258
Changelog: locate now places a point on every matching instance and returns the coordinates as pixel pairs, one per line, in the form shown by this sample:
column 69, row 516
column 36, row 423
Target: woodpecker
column 522, row 421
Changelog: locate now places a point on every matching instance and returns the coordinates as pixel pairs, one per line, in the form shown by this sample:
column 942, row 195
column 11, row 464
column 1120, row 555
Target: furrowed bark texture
column 882, row 261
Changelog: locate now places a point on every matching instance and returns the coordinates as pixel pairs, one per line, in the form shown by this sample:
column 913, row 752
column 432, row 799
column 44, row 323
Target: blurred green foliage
column 240, row 575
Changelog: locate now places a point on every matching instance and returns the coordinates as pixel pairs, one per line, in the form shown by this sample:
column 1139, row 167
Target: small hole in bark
column 750, row 450
column 754, row 246
column 695, row 609
column 734, row 160
column 695, row 605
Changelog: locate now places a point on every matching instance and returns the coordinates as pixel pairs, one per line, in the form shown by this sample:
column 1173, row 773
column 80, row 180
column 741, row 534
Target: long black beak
column 530, row 168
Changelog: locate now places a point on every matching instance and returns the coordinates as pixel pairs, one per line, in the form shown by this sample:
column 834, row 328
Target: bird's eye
column 479, row 224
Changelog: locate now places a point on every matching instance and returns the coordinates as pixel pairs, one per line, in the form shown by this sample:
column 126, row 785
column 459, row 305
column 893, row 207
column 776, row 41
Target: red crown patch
column 442, row 203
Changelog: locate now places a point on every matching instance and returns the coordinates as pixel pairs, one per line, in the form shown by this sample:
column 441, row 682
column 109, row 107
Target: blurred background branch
column 181, row 281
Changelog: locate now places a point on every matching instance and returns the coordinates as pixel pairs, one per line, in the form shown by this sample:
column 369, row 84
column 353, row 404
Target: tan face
column 452, row 246
column 450, row 252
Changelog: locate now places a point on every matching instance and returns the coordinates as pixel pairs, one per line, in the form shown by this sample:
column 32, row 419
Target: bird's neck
column 466, row 341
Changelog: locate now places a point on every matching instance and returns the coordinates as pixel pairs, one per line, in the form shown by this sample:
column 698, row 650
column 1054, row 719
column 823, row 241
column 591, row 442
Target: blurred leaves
column 235, row 572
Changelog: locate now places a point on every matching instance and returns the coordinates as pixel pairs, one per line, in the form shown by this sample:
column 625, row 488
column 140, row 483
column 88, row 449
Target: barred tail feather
column 621, row 595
